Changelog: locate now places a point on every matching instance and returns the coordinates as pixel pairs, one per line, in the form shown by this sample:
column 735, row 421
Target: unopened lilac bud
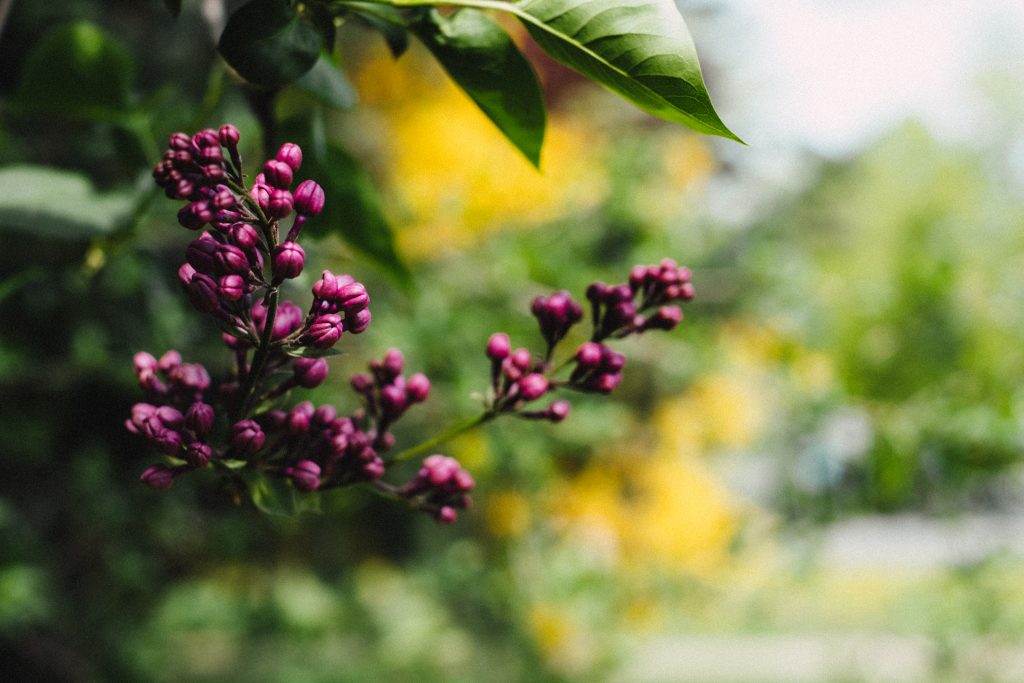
column 392, row 400
column 200, row 253
column 193, row 376
column 170, row 361
column 167, row 441
column 358, row 321
column 278, row 174
column 206, row 138
column 309, row 372
column 352, row 297
column 159, row 477
column 589, row 355
column 597, row 291
column 170, row 417
column 309, row 198
column 279, row 205
column 305, row 475
column 144, row 361
column 393, row 363
column 362, row 382
column 231, row 259
column 224, row 199
column 446, row 514
column 204, row 293
column 606, row 383
column 558, row 411
column 532, row 386
column 665, row 318
column 243, row 236
column 185, row 273
column 324, row 415
column 179, row 141
column 291, row 154
column 247, row 437
column 612, row 361
column 287, row 260
column 521, row 359
column 199, row 418
column 299, row 418
column 417, row 388
column 211, row 154
column 325, row 331
column 261, row 195
column 228, row 135
column 289, row 318
column 498, row 346
column 198, row 454
column 232, row 287
column 194, row 215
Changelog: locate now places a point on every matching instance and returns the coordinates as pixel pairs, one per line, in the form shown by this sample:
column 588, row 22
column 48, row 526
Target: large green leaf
column 76, row 71
column 328, row 84
column 58, row 204
column 386, row 20
column 268, row 43
column 482, row 59
column 639, row 49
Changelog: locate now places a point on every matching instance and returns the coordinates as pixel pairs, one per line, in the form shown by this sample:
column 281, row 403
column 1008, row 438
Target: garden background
column 817, row 477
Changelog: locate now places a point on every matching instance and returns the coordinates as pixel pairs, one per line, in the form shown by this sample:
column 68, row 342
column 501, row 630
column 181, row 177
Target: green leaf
column 639, row 49
column 76, row 71
column 60, row 204
column 328, row 85
column 268, row 43
column 274, row 495
column 311, row 352
column 482, row 59
column 386, row 20
column 174, row 7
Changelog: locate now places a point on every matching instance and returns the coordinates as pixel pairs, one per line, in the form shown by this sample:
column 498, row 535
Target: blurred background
column 817, row 477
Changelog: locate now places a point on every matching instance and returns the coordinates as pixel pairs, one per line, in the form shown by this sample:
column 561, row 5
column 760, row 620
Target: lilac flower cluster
column 617, row 311
column 241, row 426
column 233, row 271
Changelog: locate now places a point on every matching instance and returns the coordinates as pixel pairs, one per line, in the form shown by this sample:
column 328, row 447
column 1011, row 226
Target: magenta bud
column 357, row 322
column 206, row 138
column 232, row 287
column 309, row 372
column 309, row 198
column 211, row 154
column 225, row 199
column 299, row 418
column 169, row 417
column 278, row 174
column 243, row 235
column 589, row 355
column 179, row 141
column 247, row 437
column 324, row 415
column 167, row 441
column 194, row 215
column 352, row 297
column 185, row 273
column 446, row 514
column 260, row 194
column 228, row 135
column 279, row 204
column 200, row 253
column 392, row 400
column 287, row 260
column 231, row 259
column 498, row 346
column 204, row 293
column 170, row 361
column 558, row 411
column 325, row 331
column 393, row 363
column 193, row 376
column 291, row 154
column 532, row 386
column 606, row 383
column 362, row 382
column 198, row 454
column 159, row 477
column 417, row 388
column 521, row 359
column 305, row 475
column 144, row 361
column 665, row 318
column 199, row 418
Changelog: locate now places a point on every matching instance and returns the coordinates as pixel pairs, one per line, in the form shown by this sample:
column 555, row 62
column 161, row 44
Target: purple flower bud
column 159, row 477
column 287, row 260
column 228, row 135
column 179, row 141
column 232, row 287
column 288, row 319
column 224, row 199
column 206, row 138
column 291, row 154
column 243, row 236
column 194, row 215
column 393, row 363
column 357, row 322
column 279, row 203
column 498, row 346
column 305, row 475
column 325, row 331
column 278, row 174
column 260, row 194
column 417, row 388
column 231, row 259
column 198, row 454
column 352, row 298
column 247, row 437
column 589, row 355
column 532, row 386
column 362, row 382
column 309, row 372
column 446, row 514
column 185, row 273
column 199, row 418
column 330, row 284
column 558, row 411
column 299, row 418
column 606, row 383
column 521, row 359
column 324, row 415
column 167, row 441
column 204, row 293
column 665, row 318
column 170, row 361
column 192, row 376
column 170, row 417
column 211, row 154
column 144, row 361
column 392, row 401
column 309, row 198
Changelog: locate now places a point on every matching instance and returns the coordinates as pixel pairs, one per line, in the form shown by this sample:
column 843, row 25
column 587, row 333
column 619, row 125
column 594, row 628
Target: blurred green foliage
column 882, row 304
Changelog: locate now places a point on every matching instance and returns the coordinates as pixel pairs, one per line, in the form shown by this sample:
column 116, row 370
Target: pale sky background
column 831, row 75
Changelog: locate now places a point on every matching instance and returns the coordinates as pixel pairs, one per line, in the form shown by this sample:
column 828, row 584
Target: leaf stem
column 446, row 435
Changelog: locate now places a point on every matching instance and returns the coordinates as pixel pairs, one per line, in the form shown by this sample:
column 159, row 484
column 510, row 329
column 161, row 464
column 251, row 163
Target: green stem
column 446, row 435
column 259, row 360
